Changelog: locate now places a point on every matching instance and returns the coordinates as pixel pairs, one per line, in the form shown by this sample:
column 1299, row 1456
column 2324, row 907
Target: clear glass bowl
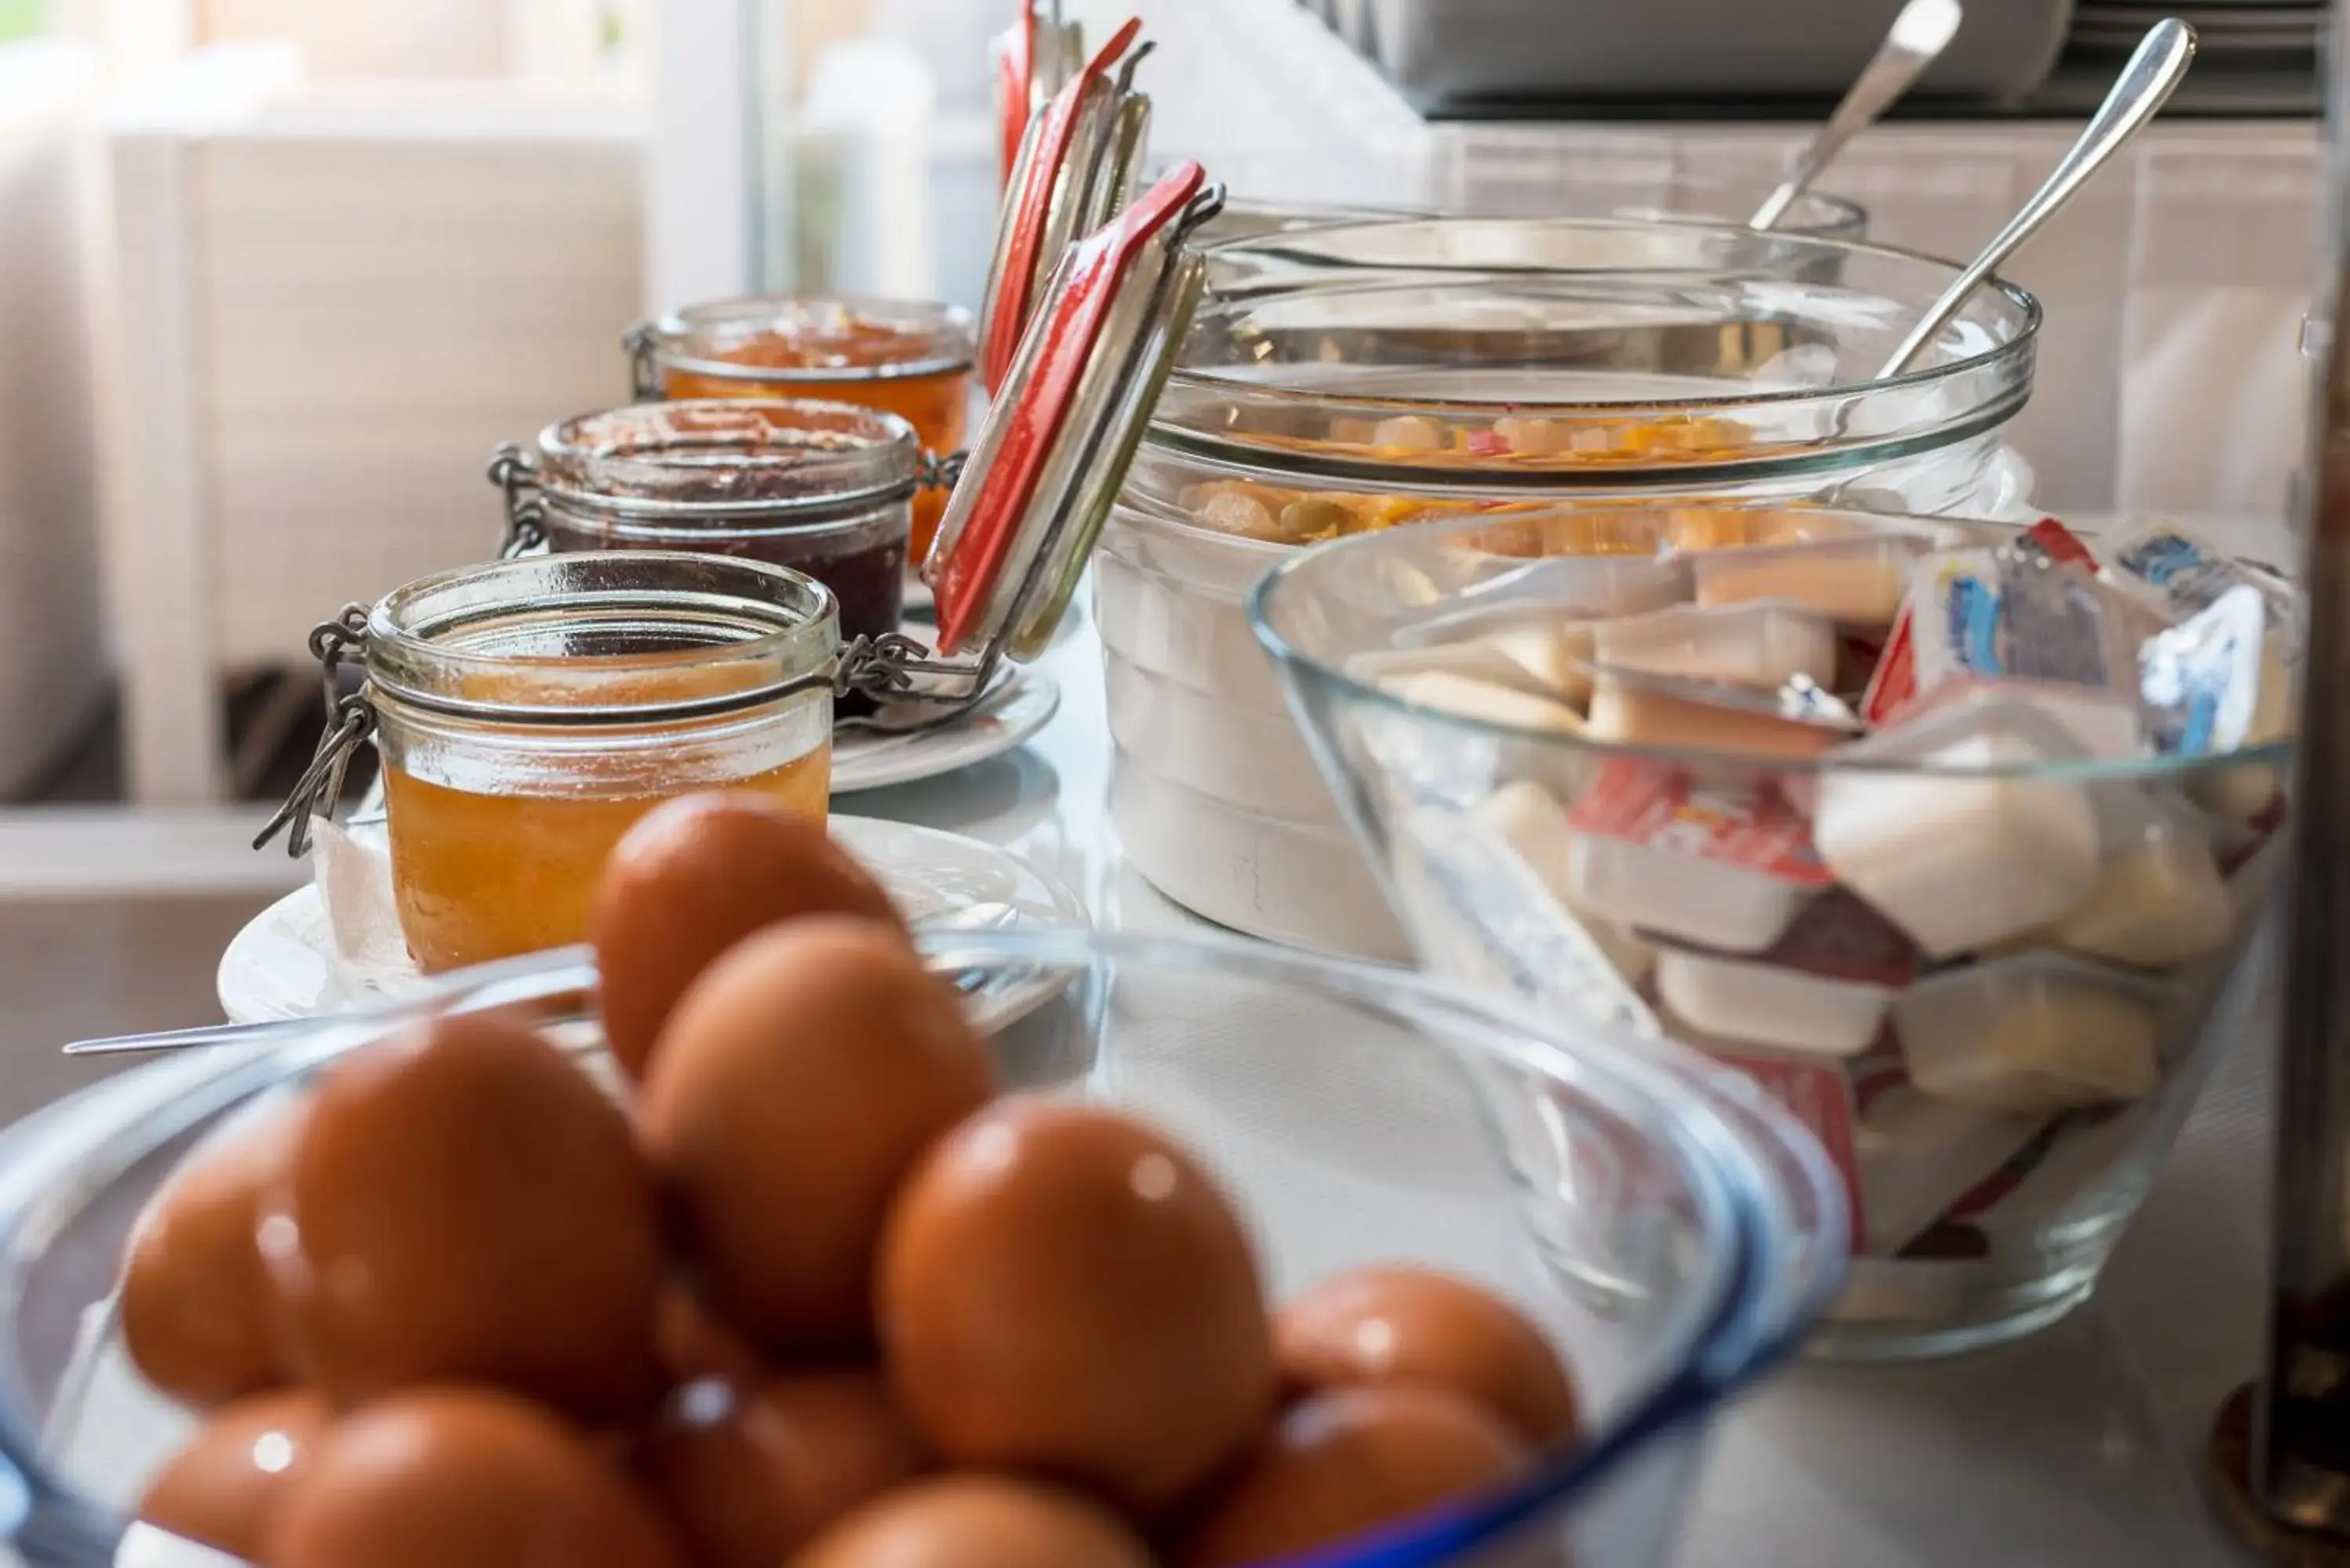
column 1896, row 951
column 1347, row 379
column 1617, row 191
column 1455, row 359
column 1673, row 1233
column 1686, row 199
column 1514, row 177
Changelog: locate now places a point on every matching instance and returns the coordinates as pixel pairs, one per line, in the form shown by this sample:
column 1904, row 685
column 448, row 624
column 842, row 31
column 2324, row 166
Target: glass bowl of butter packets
column 1955, row 839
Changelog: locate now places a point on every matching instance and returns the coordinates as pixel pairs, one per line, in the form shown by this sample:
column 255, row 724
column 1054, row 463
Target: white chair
column 52, row 642
column 331, row 301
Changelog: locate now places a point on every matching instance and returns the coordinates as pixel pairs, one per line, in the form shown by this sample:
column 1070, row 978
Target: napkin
column 353, row 873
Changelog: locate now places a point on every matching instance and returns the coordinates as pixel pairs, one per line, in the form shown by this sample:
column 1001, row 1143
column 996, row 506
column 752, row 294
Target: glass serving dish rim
column 893, row 448
column 399, row 656
column 1848, row 212
column 949, row 328
column 1261, row 593
column 2020, row 346
column 1719, row 1340
column 1677, row 476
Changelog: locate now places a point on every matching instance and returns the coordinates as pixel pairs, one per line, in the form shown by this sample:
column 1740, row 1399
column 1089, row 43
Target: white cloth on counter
column 353, row 873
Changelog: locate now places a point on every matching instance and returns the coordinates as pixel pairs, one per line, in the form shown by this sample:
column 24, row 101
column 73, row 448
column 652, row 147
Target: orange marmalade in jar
column 908, row 358
column 528, row 712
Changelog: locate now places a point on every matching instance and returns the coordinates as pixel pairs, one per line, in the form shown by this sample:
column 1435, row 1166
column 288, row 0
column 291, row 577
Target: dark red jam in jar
column 821, row 488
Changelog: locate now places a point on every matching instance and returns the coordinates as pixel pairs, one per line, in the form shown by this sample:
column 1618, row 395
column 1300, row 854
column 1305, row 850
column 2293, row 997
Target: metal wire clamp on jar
column 527, row 711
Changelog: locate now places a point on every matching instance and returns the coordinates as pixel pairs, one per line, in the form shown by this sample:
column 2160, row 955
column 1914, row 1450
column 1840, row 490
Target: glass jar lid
column 728, row 455
column 1075, row 170
column 1060, row 435
column 624, row 636
column 786, row 340
column 1035, row 57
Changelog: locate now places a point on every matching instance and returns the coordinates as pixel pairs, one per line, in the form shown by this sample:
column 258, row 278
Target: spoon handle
column 1916, row 40
column 191, row 1039
column 992, row 915
column 2153, row 74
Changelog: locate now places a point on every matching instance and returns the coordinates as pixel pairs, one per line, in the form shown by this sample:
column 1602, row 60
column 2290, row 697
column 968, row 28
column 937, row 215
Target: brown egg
column 973, row 1520
column 747, row 1474
column 691, row 878
column 465, row 1206
column 1062, row 1290
column 1415, row 1325
column 197, row 1315
column 798, row 1080
column 689, row 1342
column 225, row 1487
column 465, row 1478
column 1350, row 1459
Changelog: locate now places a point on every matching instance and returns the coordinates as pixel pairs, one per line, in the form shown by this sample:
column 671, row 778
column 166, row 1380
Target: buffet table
column 2080, row 1446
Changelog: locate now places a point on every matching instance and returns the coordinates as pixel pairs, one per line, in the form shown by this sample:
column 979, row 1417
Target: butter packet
column 2201, row 680
column 2181, row 574
column 2024, row 624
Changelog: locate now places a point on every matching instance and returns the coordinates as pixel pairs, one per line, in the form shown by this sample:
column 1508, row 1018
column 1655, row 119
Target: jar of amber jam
column 527, row 711
column 820, row 488
column 908, row 358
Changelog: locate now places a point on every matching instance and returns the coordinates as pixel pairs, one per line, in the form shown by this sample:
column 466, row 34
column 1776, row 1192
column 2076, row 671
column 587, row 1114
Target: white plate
column 1023, row 704
column 284, row 964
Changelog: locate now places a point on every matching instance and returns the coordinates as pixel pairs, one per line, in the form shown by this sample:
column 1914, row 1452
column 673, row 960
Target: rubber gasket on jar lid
column 1007, row 312
column 967, row 564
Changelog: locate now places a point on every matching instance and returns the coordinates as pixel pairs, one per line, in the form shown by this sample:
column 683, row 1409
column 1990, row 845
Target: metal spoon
column 2153, row 74
column 190, row 1039
column 1919, row 36
column 983, row 917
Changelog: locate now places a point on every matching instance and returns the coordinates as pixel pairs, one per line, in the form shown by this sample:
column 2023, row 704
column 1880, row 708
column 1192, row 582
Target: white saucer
column 1023, row 703
column 283, row 963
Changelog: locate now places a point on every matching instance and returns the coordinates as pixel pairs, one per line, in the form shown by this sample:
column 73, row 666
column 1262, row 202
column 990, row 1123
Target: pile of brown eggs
column 814, row 1296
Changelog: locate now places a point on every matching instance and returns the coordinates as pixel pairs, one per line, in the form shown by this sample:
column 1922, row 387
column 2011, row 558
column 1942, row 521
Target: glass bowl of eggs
column 782, row 1235
column 1959, row 840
